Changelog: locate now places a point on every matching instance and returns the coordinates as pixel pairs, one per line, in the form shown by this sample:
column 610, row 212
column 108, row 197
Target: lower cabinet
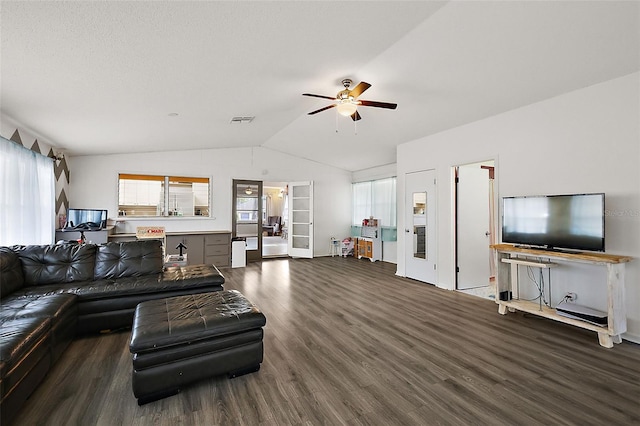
column 217, row 249
column 211, row 248
column 194, row 247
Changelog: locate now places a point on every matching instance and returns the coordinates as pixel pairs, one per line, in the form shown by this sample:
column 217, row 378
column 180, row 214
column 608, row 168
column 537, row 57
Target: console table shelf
column 550, row 313
column 508, row 259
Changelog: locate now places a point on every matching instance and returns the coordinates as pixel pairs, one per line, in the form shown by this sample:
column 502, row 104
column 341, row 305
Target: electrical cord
column 539, row 285
column 566, row 298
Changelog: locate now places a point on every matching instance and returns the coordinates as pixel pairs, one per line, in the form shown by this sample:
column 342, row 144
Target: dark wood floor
column 348, row 342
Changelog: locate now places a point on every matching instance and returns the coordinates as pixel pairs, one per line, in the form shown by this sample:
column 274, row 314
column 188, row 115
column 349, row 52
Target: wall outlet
column 571, row 296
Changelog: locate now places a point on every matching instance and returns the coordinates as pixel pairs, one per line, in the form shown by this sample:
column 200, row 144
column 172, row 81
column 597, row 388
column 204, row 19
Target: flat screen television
column 574, row 221
column 87, row 219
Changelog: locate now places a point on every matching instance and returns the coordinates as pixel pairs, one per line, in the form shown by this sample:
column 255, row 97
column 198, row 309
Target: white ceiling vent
column 242, row 120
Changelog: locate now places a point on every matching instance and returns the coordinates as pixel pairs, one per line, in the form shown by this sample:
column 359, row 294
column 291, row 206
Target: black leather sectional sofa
column 50, row 294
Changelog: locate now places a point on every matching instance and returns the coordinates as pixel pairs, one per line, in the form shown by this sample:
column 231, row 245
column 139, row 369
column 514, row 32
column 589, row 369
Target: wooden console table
column 616, row 313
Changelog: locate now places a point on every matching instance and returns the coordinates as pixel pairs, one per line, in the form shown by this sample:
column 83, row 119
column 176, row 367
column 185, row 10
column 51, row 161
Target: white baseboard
column 631, row 337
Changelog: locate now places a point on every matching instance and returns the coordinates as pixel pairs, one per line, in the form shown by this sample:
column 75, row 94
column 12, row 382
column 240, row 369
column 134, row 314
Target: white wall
column 94, row 183
column 374, row 173
column 8, row 126
column 584, row 141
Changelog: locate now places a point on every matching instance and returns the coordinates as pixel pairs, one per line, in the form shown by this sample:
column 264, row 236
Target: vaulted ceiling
column 113, row 77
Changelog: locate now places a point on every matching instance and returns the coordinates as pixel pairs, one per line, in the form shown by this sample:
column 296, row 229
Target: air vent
column 242, row 120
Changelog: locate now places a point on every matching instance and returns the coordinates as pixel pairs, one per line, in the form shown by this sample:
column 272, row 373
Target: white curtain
column 384, row 201
column 361, row 199
column 27, row 196
column 375, row 198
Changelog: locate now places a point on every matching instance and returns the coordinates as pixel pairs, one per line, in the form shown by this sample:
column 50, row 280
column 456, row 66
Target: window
column 375, row 198
column 152, row 195
column 27, row 196
column 361, row 200
column 247, row 209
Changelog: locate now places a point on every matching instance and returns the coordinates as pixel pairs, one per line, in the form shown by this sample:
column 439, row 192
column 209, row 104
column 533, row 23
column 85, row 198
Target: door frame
column 252, row 255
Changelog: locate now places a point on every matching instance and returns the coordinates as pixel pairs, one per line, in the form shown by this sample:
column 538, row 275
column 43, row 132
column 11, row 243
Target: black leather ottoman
column 184, row 339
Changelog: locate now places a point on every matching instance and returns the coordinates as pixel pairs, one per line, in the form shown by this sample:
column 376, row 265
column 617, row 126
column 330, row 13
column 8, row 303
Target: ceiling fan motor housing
column 344, row 95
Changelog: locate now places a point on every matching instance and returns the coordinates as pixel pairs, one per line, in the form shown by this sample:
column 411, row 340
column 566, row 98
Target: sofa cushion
column 51, row 264
column 49, row 306
column 19, row 337
column 11, row 277
column 36, row 291
column 178, row 279
column 128, row 259
column 174, row 279
column 204, row 274
column 61, row 309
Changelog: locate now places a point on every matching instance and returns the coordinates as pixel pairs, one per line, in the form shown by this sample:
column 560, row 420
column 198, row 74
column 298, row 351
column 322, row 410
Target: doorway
column 474, row 227
column 420, row 226
column 275, row 219
column 247, row 216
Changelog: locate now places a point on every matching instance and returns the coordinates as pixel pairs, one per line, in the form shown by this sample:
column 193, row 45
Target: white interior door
column 420, row 226
column 300, row 234
column 473, row 222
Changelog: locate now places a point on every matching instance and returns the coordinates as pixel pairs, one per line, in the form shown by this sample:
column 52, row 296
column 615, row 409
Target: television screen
column 573, row 221
column 90, row 219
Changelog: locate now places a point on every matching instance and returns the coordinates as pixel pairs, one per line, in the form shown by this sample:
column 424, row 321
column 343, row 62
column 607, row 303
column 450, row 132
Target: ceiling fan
column 347, row 102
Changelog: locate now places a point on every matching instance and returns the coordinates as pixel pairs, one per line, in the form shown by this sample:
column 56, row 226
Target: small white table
column 334, row 247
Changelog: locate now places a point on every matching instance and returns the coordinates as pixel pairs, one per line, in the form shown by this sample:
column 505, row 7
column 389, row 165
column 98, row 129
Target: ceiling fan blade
column 361, row 87
column 356, row 116
column 319, row 96
column 321, row 109
column 378, row 104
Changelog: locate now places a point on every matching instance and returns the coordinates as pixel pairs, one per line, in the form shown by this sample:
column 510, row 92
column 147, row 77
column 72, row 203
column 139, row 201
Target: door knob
column 406, row 230
column 487, row 233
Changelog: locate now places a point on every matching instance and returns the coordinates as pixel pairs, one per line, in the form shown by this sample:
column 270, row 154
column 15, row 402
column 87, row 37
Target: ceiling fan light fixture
column 346, row 107
column 346, row 101
column 248, row 191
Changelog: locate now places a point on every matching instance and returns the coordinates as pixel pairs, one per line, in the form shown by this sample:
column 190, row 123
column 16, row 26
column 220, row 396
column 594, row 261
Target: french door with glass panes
column 300, row 234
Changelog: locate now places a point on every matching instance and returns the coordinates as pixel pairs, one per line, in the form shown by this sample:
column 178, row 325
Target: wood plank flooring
column 348, row 342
